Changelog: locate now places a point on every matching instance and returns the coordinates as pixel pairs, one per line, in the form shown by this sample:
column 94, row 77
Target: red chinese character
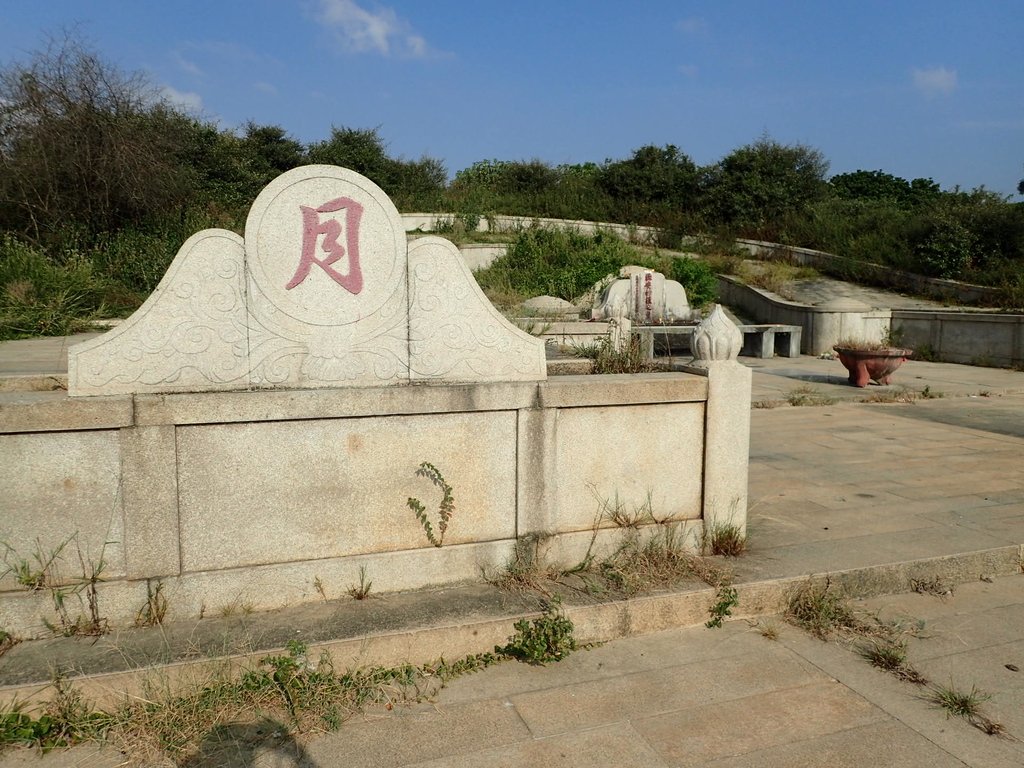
column 312, row 228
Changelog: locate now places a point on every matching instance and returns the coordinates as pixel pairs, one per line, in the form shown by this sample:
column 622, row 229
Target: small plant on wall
column 445, row 510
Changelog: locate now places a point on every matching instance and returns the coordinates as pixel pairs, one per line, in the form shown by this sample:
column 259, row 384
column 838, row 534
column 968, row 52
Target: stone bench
column 758, row 340
column 771, row 340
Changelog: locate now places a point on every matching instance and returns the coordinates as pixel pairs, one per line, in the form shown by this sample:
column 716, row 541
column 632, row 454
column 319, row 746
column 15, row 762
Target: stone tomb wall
column 249, row 439
column 247, row 500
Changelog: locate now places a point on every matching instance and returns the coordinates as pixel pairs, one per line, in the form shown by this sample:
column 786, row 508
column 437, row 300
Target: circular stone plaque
column 324, row 246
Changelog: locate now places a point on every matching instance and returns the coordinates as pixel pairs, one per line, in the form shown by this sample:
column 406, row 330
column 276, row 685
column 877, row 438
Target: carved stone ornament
column 716, row 338
column 324, row 291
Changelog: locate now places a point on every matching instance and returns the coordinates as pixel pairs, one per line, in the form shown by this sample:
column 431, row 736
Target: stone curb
column 596, row 623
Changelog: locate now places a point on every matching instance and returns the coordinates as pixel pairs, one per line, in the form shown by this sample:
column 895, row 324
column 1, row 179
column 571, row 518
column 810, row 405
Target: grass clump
column 808, row 395
column 607, row 359
column 360, row 591
column 890, row 654
column 965, row 704
column 526, row 570
column 724, row 539
column 641, row 563
column 819, row 609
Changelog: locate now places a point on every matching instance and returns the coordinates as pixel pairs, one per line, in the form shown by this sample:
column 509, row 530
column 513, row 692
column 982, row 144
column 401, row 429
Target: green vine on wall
column 445, row 510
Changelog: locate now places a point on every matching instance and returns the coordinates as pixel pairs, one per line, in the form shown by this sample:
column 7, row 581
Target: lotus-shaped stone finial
column 716, row 338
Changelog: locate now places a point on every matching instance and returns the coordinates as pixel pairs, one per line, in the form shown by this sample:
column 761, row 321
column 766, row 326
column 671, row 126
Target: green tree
column 754, row 188
column 361, row 149
column 268, row 151
column 85, row 145
column 651, row 183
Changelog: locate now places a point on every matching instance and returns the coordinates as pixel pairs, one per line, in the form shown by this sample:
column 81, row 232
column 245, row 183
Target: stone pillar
column 716, row 344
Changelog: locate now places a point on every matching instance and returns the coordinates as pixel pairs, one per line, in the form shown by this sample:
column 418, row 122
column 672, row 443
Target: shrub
column 556, row 262
column 697, row 278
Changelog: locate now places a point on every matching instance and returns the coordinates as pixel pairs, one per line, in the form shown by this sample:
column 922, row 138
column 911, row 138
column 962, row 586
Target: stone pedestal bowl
column 871, row 364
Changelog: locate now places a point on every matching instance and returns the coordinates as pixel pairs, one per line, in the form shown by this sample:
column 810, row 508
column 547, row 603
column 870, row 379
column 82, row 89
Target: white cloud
column 265, row 87
column 188, row 100
column 935, row 81
column 690, row 70
column 187, row 66
column 382, row 30
column 692, row 26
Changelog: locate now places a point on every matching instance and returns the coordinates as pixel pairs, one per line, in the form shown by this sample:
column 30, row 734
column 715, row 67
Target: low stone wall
column 428, row 222
column 963, row 293
column 978, row 338
column 823, row 325
column 239, row 501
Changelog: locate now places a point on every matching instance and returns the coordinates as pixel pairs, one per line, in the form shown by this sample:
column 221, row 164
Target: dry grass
column 821, row 610
column 808, row 395
column 965, row 704
column 890, row 654
column 725, row 539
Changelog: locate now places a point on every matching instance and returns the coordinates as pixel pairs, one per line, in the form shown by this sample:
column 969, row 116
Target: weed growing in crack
column 445, row 510
column 965, row 704
column 361, row 591
column 526, row 570
column 7, row 641
column 544, row 639
column 932, row 586
column 725, row 539
column 726, row 599
column 769, row 630
column 808, row 395
column 153, row 612
column 36, row 573
column 820, row 610
column 891, row 655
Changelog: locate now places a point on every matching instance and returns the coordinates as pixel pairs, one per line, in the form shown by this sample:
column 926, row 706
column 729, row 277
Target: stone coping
column 55, row 411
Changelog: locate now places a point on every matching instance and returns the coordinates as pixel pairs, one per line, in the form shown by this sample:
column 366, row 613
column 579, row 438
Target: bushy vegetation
column 102, row 180
column 557, row 262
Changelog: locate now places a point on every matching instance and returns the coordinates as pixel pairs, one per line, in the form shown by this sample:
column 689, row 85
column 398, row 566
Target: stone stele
column 644, row 296
column 324, row 291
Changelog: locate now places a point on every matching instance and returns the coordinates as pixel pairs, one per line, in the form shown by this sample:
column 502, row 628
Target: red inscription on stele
column 330, row 229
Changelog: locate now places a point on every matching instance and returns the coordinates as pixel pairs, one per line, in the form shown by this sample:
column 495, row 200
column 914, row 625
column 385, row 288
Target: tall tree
column 84, row 144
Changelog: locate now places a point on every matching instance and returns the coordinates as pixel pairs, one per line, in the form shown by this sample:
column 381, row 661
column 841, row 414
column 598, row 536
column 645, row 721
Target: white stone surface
column 550, row 306
column 62, row 488
column 727, row 445
column 716, row 338
column 284, row 491
column 593, row 469
column 317, row 295
column 455, row 333
column 189, row 335
column 315, row 322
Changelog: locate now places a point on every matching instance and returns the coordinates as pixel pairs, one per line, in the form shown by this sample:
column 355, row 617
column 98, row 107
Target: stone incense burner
column 871, row 363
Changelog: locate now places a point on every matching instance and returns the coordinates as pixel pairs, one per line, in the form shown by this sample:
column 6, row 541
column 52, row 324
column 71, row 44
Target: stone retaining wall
column 977, row 338
column 938, row 288
column 239, row 501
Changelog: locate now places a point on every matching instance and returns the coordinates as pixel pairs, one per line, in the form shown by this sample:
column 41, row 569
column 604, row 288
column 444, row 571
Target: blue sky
column 932, row 89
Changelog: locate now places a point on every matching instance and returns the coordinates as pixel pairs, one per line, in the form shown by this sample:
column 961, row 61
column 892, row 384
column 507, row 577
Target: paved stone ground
column 698, row 697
